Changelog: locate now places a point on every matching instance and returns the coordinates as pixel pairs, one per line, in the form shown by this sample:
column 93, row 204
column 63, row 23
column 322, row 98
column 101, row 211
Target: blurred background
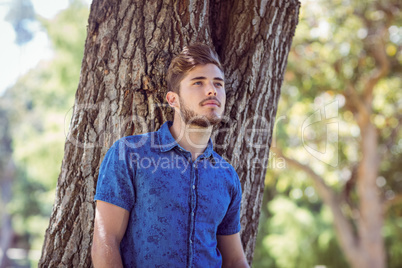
column 333, row 50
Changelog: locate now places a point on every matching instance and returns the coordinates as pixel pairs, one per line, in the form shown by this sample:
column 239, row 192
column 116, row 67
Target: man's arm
column 232, row 251
column 110, row 226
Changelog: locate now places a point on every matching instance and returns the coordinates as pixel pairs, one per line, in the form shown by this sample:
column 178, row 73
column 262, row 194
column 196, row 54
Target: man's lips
column 211, row 103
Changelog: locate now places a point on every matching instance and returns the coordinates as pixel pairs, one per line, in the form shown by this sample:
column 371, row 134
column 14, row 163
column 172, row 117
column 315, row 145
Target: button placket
column 192, row 213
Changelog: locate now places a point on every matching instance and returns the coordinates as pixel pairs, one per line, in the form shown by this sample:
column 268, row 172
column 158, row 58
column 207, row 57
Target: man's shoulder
column 138, row 141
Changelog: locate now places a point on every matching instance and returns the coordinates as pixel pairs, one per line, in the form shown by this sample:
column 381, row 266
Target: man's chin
column 204, row 122
column 210, row 119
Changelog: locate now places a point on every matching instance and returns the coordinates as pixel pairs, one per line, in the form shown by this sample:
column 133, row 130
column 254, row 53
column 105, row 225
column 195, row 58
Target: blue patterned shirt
column 177, row 206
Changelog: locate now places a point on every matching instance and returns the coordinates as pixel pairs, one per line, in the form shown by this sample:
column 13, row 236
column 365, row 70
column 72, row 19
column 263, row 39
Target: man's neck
column 192, row 138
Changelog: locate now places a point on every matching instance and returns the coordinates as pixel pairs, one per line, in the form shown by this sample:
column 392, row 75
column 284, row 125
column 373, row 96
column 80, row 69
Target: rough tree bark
column 122, row 88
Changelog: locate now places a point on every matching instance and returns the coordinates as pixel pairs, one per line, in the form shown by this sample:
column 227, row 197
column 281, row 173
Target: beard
column 191, row 118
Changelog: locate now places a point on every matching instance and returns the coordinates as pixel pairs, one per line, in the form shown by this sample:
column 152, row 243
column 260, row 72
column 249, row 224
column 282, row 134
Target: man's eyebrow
column 203, row 78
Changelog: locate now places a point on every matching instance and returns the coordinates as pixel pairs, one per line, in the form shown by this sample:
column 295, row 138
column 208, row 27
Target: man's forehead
column 206, row 71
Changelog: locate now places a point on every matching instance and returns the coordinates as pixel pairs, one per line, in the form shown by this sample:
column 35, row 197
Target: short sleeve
column 231, row 222
column 115, row 180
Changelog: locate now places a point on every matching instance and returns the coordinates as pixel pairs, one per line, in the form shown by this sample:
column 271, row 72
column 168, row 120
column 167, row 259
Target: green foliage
column 330, row 53
column 38, row 105
column 298, row 236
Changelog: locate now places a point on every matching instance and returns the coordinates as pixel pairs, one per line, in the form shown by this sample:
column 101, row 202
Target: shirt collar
column 167, row 142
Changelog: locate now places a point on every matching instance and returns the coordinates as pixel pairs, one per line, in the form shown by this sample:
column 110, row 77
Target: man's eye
column 218, row 84
column 198, row 83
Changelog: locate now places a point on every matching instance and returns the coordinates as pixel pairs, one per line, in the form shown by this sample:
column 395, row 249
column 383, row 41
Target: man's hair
column 189, row 57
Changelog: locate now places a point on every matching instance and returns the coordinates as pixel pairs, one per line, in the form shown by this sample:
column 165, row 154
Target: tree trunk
column 371, row 218
column 122, row 88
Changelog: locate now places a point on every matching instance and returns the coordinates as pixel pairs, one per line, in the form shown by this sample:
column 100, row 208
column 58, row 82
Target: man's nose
column 211, row 90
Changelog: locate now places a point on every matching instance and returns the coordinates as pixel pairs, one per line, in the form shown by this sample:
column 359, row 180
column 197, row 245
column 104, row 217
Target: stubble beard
column 191, row 118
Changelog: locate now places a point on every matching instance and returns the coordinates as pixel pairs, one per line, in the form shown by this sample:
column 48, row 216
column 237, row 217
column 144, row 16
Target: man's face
column 202, row 96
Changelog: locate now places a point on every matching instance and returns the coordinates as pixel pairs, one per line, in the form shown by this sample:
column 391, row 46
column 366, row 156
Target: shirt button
column 192, row 213
column 191, row 241
column 193, row 186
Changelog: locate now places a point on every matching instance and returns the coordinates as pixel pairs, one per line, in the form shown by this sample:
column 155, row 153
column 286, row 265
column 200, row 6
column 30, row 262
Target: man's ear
column 172, row 99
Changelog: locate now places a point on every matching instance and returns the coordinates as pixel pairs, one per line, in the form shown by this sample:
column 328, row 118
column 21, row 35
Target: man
column 165, row 198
